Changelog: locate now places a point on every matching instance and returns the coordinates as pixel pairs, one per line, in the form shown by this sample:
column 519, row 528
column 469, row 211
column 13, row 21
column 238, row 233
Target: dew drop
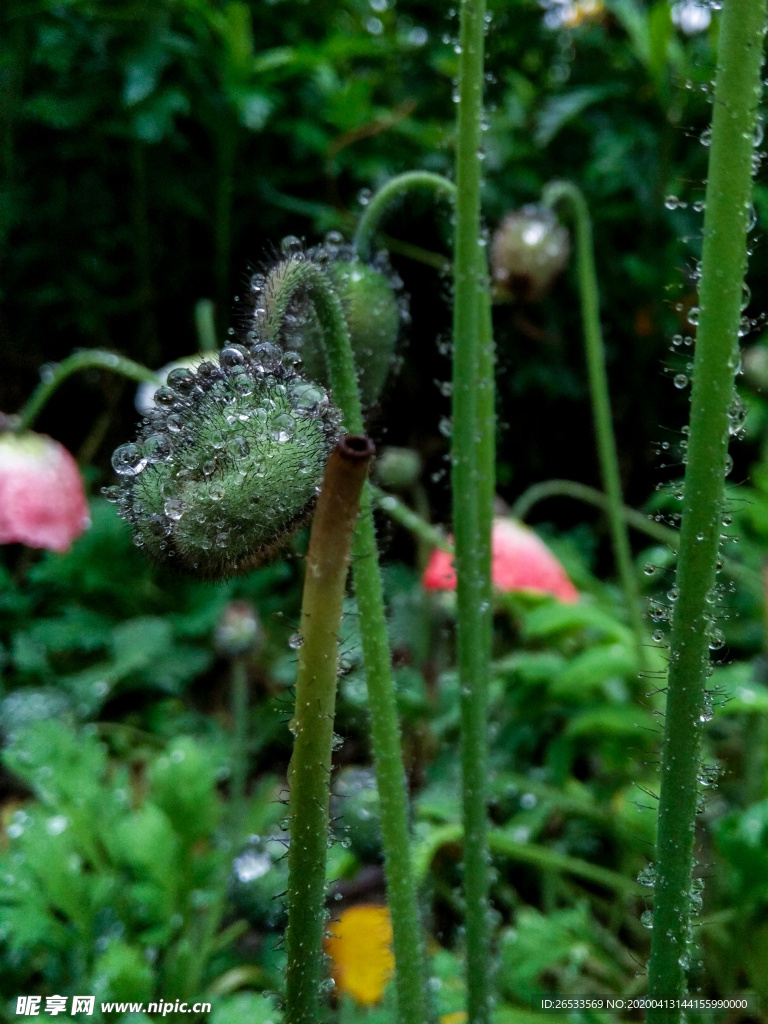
column 127, row 460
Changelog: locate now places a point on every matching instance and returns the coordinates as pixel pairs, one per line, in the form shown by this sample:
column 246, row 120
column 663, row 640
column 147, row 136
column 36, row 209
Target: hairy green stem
column 471, row 521
column 312, row 723
column 85, row 360
column 239, row 672
column 394, row 189
column 566, row 192
column 385, row 729
column 225, row 141
column 729, row 185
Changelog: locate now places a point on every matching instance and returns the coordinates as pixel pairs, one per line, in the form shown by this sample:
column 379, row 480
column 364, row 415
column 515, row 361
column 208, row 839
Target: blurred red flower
column 42, row 501
column 520, row 561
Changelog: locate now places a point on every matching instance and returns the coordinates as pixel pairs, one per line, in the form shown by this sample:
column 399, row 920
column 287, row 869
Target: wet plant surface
column 531, row 277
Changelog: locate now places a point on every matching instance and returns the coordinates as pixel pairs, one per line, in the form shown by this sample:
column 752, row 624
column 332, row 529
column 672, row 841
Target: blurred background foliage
column 150, row 153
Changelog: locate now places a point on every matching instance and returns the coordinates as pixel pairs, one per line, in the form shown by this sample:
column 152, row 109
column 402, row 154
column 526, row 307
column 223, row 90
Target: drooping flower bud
column 42, row 501
column 520, row 561
column 372, row 309
column 226, row 467
column 529, row 249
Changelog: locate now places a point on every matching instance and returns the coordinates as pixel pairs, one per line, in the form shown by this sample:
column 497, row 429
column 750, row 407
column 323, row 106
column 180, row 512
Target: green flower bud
column 227, row 466
column 528, row 251
column 372, row 309
column 398, row 468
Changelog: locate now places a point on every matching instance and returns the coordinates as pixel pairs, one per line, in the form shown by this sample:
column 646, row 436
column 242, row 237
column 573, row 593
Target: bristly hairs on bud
column 226, row 467
column 371, row 296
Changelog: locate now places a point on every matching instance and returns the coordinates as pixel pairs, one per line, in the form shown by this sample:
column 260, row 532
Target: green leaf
column 557, row 111
column 246, row 1008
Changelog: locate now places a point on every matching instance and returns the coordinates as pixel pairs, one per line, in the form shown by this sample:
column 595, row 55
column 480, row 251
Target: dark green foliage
column 148, row 154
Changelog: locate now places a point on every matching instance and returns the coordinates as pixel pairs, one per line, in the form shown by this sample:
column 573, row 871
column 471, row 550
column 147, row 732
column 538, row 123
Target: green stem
column 729, row 185
column 312, row 723
column 394, row 189
column 502, row 844
column 470, row 483
column 84, row 360
column 289, row 276
column 565, row 191
column 418, row 526
column 239, row 746
column 571, row 489
column 226, row 145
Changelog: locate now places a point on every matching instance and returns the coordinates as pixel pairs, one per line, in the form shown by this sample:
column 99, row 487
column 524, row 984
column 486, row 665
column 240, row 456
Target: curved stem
column 565, row 191
column 92, row 357
column 472, row 482
column 396, row 187
column 729, row 185
column 300, row 274
column 572, row 489
column 312, row 723
column 385, row 729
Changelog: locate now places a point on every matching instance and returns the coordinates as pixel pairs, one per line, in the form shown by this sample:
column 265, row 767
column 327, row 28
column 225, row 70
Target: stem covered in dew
column 729, row 184
column 385, row 728
column 394, row 189
column 567, row 192
column 87, row 359
column 472, row 481
column 312, row 723
column 239, row 678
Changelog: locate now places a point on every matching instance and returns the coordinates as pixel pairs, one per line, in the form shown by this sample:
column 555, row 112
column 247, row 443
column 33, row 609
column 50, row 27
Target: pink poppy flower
column 520, row 561
column 42, row 501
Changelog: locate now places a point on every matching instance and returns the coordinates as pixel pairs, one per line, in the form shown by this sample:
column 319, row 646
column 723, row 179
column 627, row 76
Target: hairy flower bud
column 372, row 309
column 226, row 467
column 528, row 251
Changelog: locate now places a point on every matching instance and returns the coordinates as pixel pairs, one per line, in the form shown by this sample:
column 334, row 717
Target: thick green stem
column 729, row 184
column 565, row 191
column 470, row 491
column 312, row 723
column 390, row 773
column 239, row 745
column 84, row 360
column 289, row 276
column 394, row 189
column 226, row 145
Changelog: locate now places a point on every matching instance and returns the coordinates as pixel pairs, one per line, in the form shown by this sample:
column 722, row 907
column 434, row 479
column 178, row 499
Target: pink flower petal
column 520, row 561
column 42, row 501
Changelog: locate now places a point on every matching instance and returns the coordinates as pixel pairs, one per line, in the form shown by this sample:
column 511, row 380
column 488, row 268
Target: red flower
column 520, row 561
column 42, row 502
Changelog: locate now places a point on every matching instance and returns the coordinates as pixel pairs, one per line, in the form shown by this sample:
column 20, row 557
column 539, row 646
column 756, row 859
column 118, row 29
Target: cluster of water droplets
column 229, row 457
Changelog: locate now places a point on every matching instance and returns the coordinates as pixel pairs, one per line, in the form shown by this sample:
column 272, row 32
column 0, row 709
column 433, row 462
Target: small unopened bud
column 755, row 362
column 528, row 251
column 238, row 630
column 398, row 468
